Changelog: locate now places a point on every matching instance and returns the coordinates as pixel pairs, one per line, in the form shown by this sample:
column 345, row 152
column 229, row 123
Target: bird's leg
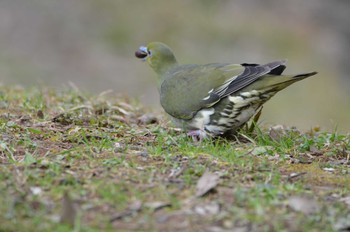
column 197, row 135
column 255, row 120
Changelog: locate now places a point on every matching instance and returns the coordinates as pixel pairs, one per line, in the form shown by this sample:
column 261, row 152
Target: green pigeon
column 213, row 99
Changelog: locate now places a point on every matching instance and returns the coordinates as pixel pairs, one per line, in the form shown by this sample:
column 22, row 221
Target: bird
column 215, row 99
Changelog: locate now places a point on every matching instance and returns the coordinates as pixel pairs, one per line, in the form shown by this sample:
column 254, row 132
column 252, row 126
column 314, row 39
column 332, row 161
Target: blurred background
column 92, row 43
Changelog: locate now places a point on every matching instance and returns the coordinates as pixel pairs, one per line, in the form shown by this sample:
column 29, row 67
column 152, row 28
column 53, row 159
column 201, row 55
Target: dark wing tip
column 278, row 70
column 249, row 64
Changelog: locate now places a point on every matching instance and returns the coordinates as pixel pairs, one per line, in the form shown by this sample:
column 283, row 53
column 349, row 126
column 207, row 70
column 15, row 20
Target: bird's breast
column 201, row 119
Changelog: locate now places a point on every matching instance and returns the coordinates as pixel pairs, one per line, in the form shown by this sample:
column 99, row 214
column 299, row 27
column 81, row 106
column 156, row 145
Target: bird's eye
column 149, row 52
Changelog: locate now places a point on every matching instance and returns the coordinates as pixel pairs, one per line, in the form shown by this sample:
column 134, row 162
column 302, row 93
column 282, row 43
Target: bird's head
column 158, row 55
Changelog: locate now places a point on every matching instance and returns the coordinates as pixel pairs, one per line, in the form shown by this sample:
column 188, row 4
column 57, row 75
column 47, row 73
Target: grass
column 75, row 162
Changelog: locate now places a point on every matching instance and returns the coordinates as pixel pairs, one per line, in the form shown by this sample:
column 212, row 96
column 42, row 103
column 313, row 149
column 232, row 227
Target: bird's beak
column 142, row 53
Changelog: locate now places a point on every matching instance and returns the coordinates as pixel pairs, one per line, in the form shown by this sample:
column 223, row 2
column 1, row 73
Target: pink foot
column 197, row 135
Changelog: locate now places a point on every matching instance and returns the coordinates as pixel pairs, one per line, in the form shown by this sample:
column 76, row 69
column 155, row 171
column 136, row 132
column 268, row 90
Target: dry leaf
column 296, row 174
column 346, row 200
column 36, row 190
column 261, row 150
column 207, row 182
column 212, row 208
column 68, row 213
column 133, row 208
column 342, row 224
column 305, row 205
column 147, row 119
column 277, row 132
column 329, row 169
column 315, row 151
column 40, row 114
column 157, row 205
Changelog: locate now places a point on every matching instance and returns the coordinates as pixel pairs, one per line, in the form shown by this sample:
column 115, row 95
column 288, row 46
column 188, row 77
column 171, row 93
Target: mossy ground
column 73, row 161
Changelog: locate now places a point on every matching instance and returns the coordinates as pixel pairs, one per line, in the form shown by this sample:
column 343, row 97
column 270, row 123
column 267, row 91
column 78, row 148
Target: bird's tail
column 275, row 83
column 305, row 75
column 281, row 82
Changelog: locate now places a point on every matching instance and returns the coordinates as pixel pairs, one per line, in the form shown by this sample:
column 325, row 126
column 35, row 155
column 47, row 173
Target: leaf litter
column 130, row 170
column 207, row 182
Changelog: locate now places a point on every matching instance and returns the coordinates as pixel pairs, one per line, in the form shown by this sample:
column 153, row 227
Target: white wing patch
column 207, row 97
column 221, row 89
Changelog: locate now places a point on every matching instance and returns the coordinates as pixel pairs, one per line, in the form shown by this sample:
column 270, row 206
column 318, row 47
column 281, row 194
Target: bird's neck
column 162, row 67
column 162, row 70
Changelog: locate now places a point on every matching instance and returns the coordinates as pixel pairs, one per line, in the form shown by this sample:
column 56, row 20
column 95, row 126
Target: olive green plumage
column 213, row 98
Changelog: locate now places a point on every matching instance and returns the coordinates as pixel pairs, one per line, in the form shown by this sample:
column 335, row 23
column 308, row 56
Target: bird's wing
column 250, row 74
column 189, row 88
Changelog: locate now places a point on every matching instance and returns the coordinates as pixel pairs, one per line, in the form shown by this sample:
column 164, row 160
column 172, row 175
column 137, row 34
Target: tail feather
column 277, row 82
column 282, row 82
column 304, row 75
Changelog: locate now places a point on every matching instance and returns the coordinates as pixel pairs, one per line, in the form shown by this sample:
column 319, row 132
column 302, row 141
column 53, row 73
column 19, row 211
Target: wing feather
column 249, row 75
